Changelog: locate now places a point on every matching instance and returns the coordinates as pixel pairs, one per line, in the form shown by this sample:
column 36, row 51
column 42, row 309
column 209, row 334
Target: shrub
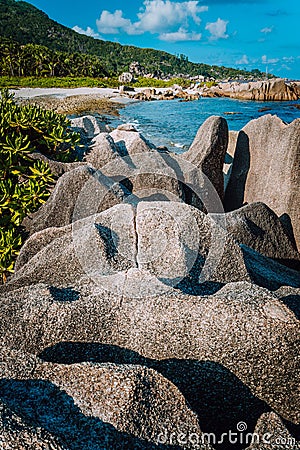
column 24, row 182
column 57, row 82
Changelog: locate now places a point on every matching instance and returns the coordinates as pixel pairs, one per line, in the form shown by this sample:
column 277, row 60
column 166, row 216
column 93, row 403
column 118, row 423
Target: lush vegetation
column 22, row 22
column 73, row 82
column 39, row 61
column 24, row 181
column 56, row 82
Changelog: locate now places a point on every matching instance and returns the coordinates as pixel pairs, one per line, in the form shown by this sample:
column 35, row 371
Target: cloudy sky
column 249, row 34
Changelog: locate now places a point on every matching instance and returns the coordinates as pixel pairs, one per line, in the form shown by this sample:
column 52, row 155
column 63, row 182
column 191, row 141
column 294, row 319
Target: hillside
column 25, row 24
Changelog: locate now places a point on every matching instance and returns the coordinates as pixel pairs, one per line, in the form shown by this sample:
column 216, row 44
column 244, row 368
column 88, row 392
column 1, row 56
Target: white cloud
column 161, row 15
column 171, row 20
column 88, row 32
column 266, row 60
column 289, row 59
column 180, row 35
column 113, row 23
column 243, row 60
column 217, row 29
column 284, row 66
column 267, row 30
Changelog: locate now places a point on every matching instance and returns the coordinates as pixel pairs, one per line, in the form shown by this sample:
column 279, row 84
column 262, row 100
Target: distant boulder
column 124, row 89
column 126, row 77
column 276, row 89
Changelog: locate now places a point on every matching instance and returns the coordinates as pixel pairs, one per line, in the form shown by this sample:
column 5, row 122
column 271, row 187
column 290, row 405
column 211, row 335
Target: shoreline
column 73, row 103
column 107, row 104
column 265, row 91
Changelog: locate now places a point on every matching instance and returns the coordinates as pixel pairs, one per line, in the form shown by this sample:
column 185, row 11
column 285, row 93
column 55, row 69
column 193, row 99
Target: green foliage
column 22, row 22
column 39, row 61
column 24, row 181
column 57, row 82
column 209, row 84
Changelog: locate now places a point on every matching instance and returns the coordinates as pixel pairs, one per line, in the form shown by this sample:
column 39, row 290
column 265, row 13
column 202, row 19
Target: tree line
column 65, row 51
column 40, row 61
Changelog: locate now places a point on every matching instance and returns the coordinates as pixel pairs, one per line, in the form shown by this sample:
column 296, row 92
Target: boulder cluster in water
column 156, row 302
column 275, row 89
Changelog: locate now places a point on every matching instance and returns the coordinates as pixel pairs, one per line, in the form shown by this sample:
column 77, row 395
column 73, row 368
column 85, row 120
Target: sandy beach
column 73, row 101
column 63, row 93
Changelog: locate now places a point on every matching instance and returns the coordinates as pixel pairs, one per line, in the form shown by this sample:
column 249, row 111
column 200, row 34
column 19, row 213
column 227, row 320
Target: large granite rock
column 126, row 77
column 133, row 326
column 208, row 151
column 258, row 227
column 102, row 151
column 78, row 193
column 130, row 141
column 174, row 242
column 100, row 245
column 122, row 142
column 119, row 404
column 126, row 157
column 265, row 168
column 89, row 126
column 242, row 327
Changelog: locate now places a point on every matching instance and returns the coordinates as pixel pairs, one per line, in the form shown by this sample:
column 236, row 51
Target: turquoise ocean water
column 174, row 124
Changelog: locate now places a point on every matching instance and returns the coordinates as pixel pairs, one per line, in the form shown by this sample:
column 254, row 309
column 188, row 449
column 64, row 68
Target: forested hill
column 25, row 24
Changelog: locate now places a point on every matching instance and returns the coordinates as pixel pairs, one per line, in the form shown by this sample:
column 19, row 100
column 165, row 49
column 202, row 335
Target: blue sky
column 249, row 34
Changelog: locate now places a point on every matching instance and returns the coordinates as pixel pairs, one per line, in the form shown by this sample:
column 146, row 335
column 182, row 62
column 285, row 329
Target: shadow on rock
column 293, row 303
column 64, row 294
column 235, row 192
column 219, row 398
column 42, row 404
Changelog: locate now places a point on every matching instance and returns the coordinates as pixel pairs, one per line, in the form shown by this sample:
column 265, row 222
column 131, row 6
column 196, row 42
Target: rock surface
column 270, row 90
column 131, row 142
column 272, row 434
column 208, row 150
column 99, row 245
column 173, row 241
column 266, row 168
column 258, row 227
column 118, row 404
column 243, row 328
column 135, row 324
column 90, row 126
column 101, row 151
column 17, row 434
column 78, row 193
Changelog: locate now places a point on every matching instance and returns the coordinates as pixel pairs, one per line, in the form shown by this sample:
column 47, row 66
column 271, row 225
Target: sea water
column 174, row 124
